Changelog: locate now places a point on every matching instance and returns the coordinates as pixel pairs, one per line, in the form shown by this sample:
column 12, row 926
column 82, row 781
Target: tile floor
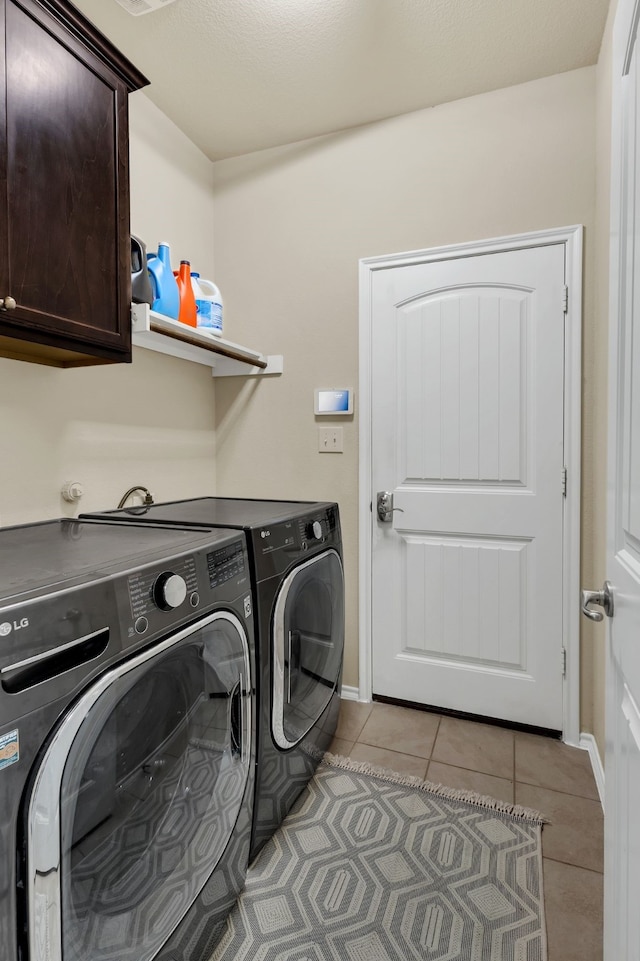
column 544, row 774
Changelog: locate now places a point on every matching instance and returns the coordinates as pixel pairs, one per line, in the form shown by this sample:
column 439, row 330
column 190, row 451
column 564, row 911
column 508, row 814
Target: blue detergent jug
column 165, row 288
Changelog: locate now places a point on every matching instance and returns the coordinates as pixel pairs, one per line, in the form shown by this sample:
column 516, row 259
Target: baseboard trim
column 349, row 693
column 588, row 743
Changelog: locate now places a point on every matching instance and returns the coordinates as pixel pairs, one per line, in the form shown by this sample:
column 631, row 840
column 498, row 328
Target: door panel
column 461, row 573
column 462, row 398
column 622, row 761
column 467, row 432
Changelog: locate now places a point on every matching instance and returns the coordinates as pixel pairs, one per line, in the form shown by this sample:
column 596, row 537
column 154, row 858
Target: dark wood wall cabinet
column 65, row 248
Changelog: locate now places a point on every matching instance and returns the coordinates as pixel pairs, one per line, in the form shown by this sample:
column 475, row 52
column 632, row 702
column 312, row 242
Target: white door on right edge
column 467, row 435
column 622, row 757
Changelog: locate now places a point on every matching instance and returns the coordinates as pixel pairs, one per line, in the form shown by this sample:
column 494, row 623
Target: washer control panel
column 226, row 564
column 152, row 590
column 162, row 597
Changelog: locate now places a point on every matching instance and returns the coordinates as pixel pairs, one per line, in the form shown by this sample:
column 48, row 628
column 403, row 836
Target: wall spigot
column 148, row 496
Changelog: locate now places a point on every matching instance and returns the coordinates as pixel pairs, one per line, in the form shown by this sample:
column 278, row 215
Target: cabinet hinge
column 564, row 481
column 565, row 299
column 564, row 661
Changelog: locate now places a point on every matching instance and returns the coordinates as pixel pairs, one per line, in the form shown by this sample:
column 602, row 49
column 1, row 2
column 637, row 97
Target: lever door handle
column 384, row 505
column 603, row 599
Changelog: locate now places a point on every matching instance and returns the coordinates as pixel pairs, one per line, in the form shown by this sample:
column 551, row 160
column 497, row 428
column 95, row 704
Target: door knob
column 384, row 505
column 603, row 599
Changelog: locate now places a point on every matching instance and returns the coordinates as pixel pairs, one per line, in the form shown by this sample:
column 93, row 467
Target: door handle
column 236, row 732
column 384, row 505
column 603, row 599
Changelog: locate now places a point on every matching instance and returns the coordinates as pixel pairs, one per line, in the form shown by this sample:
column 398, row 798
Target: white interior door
column 622, row 762
column 467, row 382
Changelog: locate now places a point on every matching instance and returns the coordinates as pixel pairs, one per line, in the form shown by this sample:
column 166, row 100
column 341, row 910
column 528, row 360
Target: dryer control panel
column 279, row 545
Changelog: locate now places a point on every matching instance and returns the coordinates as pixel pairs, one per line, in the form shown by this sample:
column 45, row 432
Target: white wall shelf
column 226, row 359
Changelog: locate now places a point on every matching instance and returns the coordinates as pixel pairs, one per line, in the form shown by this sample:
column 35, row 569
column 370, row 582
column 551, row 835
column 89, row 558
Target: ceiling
column 241, row 75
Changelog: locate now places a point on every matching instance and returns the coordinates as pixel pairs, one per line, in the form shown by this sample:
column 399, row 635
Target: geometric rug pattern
column 374, row 866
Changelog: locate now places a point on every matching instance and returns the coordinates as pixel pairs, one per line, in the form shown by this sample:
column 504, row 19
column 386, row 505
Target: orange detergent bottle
column 187, row 314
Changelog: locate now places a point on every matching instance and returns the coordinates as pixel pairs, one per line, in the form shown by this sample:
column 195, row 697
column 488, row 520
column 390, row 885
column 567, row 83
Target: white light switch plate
column 330, row 440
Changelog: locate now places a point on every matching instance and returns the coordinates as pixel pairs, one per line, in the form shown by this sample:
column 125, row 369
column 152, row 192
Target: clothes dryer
column 126, row 740
column 295, row 555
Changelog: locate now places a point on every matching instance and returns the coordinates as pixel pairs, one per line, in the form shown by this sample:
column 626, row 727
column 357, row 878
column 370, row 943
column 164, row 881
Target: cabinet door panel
column 64, row 203
column 62, row 178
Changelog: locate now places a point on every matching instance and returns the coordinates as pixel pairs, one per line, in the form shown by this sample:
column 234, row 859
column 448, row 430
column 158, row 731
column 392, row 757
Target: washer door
column 308, row 645
column 137, row 796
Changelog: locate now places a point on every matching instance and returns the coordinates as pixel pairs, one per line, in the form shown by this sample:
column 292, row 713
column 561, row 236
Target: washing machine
column 126, row 740
column 295, row 556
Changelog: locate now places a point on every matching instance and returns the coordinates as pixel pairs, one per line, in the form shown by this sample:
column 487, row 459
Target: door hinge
column 564, row 661
column 564, row 481
column 565, row 299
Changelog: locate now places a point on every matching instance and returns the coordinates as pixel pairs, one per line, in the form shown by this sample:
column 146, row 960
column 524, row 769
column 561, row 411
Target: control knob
column 169, row 591
column 314, row 531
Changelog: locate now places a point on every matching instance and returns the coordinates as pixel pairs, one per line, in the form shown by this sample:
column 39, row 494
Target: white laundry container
column 208, row 305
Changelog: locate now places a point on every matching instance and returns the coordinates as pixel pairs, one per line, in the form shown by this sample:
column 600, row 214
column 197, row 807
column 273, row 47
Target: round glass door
column 308, row 645
column 141, row 786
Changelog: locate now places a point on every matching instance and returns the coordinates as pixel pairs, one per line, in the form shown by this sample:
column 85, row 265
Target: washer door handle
column 237, row 733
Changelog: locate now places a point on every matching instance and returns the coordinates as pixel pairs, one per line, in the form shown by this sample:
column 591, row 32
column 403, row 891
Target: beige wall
column 171, row 187
column 292, row 222
column 150, row 422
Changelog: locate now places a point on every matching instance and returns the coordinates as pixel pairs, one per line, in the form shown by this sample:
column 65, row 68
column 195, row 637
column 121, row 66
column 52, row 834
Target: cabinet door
column 66, row 221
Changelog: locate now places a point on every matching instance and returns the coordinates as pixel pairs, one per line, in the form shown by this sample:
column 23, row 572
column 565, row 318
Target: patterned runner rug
column 374, row 866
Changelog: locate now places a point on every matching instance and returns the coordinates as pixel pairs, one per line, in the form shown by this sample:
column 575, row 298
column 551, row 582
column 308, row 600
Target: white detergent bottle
column 209, row 305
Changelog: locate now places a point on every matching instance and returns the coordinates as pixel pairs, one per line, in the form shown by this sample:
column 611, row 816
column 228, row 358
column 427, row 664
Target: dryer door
column 137, row 796
column 308, row 645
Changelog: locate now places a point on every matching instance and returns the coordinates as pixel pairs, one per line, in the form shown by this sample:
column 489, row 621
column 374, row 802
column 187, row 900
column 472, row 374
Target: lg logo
column 265, row 533
column 6, row 627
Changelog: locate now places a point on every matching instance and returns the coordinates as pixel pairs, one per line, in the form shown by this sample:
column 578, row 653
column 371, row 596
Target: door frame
column 571, row 237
